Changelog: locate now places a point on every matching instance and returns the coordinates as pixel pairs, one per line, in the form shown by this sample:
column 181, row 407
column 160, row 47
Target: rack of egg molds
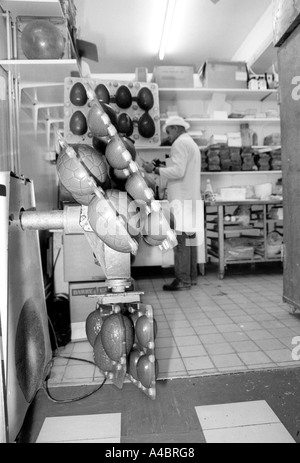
column 123, row 341
column 133, row 108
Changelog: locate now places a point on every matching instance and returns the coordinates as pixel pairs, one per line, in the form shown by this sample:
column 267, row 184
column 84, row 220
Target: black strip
column 2, row 190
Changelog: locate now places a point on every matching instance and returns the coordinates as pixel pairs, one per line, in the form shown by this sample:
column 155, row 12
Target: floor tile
column 192, row 351
column 104, row 428
column 245, row 346
column 236, row 336
column 187, row 341
column 257, row 434
column 171, row 366
column 167, row 352
column 198, row 363
column 282, row 355
column 252, row 358
column 218, row 349
column 228, row 360
column 211, row 338
column 244, row 422
column 270, row 344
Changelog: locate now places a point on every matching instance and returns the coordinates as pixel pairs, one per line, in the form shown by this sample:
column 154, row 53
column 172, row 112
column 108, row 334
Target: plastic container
column 263, row 191
column 233, row 194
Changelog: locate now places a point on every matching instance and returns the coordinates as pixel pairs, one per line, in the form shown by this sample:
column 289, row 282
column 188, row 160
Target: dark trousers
column 186, row 269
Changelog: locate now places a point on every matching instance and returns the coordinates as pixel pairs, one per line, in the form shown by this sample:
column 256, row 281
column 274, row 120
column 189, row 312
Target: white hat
column 176, row 120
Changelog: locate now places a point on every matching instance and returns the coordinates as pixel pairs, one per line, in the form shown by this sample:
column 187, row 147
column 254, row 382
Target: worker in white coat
column 183, row 174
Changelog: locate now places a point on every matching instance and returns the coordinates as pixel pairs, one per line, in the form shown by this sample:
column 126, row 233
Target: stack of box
column 276, row 161
column 262, row 161
column 248, row 159
column 204, row 163
column 225, row 159
column 213, row 158
column 236, row 160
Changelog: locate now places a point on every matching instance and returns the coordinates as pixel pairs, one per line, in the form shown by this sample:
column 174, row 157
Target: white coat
column 183, row 177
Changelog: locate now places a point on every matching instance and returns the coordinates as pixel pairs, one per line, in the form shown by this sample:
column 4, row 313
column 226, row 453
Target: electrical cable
column 50, row 364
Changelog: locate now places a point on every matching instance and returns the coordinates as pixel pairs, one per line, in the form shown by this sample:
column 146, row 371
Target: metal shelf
column 32, row 7
column 207, row 93
column 44, row 71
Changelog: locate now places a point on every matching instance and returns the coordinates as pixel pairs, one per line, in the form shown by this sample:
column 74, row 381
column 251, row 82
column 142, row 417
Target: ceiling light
column 166, row 28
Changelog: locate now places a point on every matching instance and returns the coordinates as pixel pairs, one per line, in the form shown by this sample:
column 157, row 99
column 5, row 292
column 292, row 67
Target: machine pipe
column 67, row 220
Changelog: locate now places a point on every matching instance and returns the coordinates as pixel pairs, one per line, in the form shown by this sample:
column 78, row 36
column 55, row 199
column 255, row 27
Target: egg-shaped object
column 117, row 336
column 134, row 357
column 138, row 188
column 145, row 99
column 75, row 173
column 125, row 124
column 146, row 126
column 144, row 330
column 126, row 209
column 102, row 360
column 156, row 226
column 97, row 126
column 146, row 370
column 113, row 336
column 109, row 227
column 78, row 96
column 41, row 39
column 102, row 93
column 78, row 123
column 117, row 154
column 123, row 97
column 93, row 325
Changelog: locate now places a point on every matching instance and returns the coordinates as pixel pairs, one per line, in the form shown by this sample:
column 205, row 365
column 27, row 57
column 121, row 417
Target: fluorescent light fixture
column 167, row 27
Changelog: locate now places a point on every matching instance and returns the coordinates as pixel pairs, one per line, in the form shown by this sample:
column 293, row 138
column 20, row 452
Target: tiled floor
column 220, row 326
column 240, row 422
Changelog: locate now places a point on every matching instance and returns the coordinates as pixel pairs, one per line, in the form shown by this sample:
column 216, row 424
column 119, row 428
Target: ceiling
column 127, row 32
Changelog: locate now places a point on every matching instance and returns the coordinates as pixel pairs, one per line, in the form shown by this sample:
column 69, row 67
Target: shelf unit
column 221, row 231
column 40, row 82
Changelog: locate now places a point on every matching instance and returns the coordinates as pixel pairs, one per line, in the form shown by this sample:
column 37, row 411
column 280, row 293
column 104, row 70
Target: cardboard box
column 224, row 74
column 173, row 76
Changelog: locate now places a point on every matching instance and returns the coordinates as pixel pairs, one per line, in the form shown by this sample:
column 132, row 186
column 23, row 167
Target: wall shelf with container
column 39, row 81
column 244, row 232
column 219, row 111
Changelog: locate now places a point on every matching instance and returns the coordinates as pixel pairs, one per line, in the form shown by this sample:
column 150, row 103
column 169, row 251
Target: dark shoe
column 177, row 286
column 194, row 283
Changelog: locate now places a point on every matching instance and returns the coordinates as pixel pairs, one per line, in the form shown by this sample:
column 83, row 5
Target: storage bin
column 240, row 253
column 233, row 194
column 224, row 74
column 173, row 76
